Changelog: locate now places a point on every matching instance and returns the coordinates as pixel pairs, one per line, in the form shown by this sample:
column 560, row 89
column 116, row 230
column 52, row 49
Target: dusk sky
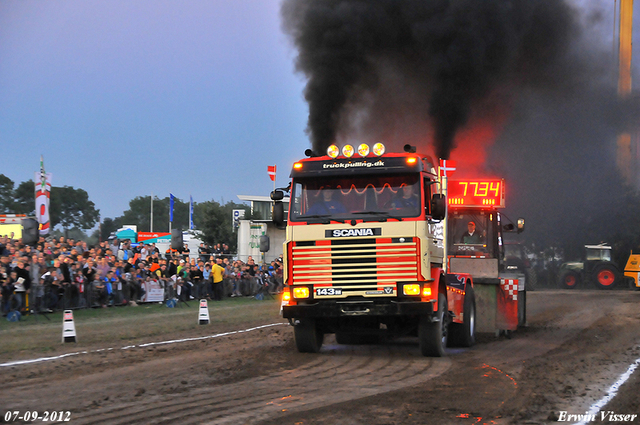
column 128, row 98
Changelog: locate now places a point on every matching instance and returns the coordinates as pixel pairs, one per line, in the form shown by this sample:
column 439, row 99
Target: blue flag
column 190, row 212
column 171, row 197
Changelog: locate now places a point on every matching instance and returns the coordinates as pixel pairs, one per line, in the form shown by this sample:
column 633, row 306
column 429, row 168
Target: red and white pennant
column 271, row 170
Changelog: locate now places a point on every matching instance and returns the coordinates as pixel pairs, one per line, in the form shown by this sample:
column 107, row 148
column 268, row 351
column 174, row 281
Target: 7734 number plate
column 328, row 291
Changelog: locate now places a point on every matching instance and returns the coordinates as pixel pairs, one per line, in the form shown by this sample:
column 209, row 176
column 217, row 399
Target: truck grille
column 356, row 265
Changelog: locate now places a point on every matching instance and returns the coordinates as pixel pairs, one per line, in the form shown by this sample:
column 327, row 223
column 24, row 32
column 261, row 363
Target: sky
column 130, row 98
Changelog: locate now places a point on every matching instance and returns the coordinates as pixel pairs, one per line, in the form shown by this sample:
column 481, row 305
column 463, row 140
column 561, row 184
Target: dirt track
column 575, row 346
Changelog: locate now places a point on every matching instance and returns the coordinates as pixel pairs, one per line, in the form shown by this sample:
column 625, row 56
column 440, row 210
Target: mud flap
column 497, row 306
column 486, row 300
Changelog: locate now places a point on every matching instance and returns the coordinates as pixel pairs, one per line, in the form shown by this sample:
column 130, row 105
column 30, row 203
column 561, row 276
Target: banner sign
column 42, row 182
column 154, row 292
column 154, row 237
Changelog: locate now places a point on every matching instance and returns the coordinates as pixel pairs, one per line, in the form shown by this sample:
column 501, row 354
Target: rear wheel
column 307, row 336
column 432, row 336
column 605, row 276
column 531, row 279
column 464, row 334
column 569, row 279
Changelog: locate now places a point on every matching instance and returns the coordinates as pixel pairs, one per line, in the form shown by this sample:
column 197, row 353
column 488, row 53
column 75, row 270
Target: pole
column 151, row 226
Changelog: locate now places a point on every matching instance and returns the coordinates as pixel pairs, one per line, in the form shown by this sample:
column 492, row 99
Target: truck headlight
column 411, row 289
column 301, row 292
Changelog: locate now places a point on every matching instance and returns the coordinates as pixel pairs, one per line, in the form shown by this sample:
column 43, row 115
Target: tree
column 25, row 198
column 20, row 200
column 139, row 213
column 71, row 207
column 6, row 195
column 107, row 227
column 215, row 221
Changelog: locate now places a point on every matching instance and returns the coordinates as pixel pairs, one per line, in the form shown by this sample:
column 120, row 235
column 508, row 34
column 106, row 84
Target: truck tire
column 464, row 334
column 531, row 279
column 569, row 279
column 605, row 276
column 432, row 336
column 307, row 336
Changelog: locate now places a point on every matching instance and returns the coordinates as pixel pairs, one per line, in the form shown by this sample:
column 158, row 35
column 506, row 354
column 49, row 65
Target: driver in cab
column 471, row 236
column 406, row 199
column 327, row 205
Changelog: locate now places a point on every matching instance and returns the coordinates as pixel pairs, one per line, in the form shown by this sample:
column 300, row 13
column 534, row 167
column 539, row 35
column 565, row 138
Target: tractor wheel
column 307, row 336
column 464, row 334
column 605, row 276
column 432, row 336
column 569, row 279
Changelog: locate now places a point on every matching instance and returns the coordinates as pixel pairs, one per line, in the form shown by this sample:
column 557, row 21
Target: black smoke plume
column 395, row 69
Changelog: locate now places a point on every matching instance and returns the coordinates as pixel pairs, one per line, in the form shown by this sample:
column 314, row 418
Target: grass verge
column 117, row 326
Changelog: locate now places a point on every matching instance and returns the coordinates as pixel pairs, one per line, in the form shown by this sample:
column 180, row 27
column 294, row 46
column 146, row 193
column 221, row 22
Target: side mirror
column 176, row 239
column 30, row 231
column 277, row 195
column 264, row 243
column 438, row 206
column 520, row 225
column 278, row 213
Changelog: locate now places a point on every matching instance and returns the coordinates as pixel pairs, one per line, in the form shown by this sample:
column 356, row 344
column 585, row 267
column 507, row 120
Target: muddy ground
column 575, row 346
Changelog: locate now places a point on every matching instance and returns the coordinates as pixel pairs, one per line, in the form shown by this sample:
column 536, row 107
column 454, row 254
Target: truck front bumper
column 354, row 309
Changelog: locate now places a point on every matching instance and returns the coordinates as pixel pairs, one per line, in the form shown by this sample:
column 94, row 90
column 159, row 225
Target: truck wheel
column 605, row 276
column 569, row 279
column 464, row 334
column 307, row 336
column 531, row 279
column 432, row 336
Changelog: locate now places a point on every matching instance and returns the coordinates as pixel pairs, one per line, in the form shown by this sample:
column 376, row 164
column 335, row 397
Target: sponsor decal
column 350, row 233
column 456, row 281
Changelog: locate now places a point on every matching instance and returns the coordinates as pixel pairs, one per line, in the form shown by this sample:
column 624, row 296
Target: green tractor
column 597, row 267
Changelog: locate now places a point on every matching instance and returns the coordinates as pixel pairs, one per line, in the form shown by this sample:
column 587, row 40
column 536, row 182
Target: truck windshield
column 356, row 197
column 471, row 233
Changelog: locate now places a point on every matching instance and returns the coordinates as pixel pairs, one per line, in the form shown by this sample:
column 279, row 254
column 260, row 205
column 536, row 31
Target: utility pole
column 151, row 226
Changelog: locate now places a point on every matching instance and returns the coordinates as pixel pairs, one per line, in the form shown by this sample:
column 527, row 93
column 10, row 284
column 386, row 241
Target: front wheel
column 307, row 336
column 432, row 336
column 464, row 334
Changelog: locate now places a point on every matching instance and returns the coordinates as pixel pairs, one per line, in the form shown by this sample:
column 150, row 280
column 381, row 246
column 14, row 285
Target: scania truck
column 365, row 251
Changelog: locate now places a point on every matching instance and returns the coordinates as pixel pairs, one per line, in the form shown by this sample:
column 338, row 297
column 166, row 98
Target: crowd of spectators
column 59, row 273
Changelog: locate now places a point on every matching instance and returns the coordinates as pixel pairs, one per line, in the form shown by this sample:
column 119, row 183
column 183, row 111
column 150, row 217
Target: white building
column 250, row 231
